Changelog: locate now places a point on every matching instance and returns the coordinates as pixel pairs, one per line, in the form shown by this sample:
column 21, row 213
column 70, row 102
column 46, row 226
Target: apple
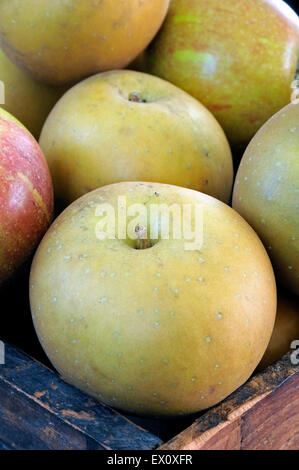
column 26, row 99
column 65, row 41
column 266, row 191
column 150, row 324
column 286, row 330
column 129, row 126
column 237, row 57
column 26, row 195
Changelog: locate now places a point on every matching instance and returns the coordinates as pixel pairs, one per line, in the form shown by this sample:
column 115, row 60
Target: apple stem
column 142, row 242
column 136, row 97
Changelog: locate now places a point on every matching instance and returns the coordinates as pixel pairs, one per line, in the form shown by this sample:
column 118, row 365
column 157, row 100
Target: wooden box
column 38, row 410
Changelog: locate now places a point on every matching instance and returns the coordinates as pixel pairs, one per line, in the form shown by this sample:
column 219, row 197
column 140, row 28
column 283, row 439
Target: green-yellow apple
column 286, row 330
column 129, row 126
column 26, row 194
column 266, row 191
column 238, row 57
column 26, row 99
column 150, row 325
column 65, row 41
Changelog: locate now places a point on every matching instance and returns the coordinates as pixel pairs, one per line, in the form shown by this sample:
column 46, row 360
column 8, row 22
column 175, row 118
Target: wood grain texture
column 38, row 410
column 4, row 446
column 262, row 414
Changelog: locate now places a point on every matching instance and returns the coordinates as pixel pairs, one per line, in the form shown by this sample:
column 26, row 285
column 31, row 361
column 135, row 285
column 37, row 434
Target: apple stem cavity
column 135, row 96
column 142, row 242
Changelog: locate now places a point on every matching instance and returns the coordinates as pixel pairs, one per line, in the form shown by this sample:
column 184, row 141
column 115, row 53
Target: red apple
column 26, row 194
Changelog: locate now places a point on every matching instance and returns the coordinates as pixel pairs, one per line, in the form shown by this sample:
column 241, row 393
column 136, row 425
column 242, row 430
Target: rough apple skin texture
column 26, row 99
column 156, row 331
column 62, row 42
column 95, row 136
column 238, row 57
column 26, row 194
column 286, row 330
column 266, row 191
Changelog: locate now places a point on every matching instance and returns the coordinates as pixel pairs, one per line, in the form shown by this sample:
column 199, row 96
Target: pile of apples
column 147, row 101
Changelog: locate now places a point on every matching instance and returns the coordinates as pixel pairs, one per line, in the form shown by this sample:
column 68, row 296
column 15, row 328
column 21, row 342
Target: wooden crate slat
column 4, row 446
column 24, row 424
column 274, row 423
column 262, row 414
column 49, row 399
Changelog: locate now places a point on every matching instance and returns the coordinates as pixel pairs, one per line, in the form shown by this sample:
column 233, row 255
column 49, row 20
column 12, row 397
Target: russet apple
column 129, row 126
column 145, row 324
column 286, row 330
column 237, row 57
column 26, row 194
column 266, row 191
column 65, row 41
column 26, row 99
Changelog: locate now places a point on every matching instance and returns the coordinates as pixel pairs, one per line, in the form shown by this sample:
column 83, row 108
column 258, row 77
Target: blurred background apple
column 25, row 98
column 65, row 41
column 286, row 329
column 237, row 57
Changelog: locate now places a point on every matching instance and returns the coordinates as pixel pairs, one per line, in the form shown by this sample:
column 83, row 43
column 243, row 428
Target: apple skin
column 63, row 42
column 26, row 99
column 95, row 136
column 286, row 330
column 26, row 195
column 155, row 331
column 237, row 57
column 266, row 191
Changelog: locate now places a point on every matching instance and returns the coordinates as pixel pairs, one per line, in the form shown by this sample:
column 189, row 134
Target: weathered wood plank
column 262, row 414
column 4, row 446
column 25, row 425
column 39, row 409
column 273, row 424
